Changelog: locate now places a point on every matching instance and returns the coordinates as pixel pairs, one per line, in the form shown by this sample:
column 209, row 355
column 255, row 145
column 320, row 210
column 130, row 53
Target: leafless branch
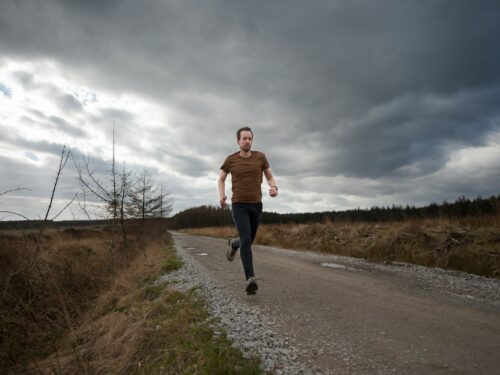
column 62, row 163
column 15, row 189
column 84, row 206
column 92, row 183
column 15, row 213
column 104, row 195
column 60, row 212
column 72, row 214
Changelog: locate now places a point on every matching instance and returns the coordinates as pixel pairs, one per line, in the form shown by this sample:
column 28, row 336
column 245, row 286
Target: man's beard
column 247, row 148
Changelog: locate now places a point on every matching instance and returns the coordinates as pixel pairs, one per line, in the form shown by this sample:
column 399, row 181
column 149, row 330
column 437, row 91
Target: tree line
column 205, row 216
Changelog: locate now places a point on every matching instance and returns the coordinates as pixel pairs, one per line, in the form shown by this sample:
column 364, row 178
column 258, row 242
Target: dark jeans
column 246, row 218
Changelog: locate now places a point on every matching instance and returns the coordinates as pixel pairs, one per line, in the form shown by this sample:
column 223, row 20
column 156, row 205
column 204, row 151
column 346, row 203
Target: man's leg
column 254, row 210
column 254, row 218
column 241, row 217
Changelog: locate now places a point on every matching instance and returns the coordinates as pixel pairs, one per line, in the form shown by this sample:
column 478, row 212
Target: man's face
column 245, row 141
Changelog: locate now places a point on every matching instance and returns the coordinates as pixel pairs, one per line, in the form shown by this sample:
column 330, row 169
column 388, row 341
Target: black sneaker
column 252, row 286
column 233, row 248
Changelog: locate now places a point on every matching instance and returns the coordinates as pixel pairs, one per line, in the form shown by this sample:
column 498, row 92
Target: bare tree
column 114, row 193
column 147, row 201
column 126, row 184
column 89, row 181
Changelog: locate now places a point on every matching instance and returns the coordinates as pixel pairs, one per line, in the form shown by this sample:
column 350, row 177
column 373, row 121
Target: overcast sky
column 355, row 103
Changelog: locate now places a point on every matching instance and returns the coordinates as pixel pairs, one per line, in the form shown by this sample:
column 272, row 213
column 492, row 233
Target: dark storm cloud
column 352, row 88
column 322, row 63
column 414, row 135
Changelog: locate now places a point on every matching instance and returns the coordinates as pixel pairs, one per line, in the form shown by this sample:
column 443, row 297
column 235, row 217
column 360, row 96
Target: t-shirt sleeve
column 265, row 163
column 225, row 166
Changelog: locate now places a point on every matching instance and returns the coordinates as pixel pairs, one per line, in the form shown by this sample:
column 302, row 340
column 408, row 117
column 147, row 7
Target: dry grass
column 140, row 326
column 93, row 309
column 46, row 283
column 467, row 244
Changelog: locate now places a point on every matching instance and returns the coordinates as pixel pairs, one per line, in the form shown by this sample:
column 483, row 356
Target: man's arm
column 222, row 188
column 273, row 191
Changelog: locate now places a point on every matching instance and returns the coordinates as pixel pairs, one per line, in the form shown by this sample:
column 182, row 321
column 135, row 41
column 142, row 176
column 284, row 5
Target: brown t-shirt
column 246, row 174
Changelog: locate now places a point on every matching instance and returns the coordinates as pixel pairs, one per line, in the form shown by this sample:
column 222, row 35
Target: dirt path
column 349, row 316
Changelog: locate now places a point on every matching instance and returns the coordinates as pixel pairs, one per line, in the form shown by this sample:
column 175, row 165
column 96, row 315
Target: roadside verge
column 147, row 326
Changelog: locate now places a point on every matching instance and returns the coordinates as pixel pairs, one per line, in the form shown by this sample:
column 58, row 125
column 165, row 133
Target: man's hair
column 246, row 128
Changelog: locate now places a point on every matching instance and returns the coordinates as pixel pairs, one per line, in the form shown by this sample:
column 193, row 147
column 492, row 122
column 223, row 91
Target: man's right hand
column 223, row 201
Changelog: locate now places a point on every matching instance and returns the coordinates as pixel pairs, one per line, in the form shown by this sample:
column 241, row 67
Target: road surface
column 350, row 316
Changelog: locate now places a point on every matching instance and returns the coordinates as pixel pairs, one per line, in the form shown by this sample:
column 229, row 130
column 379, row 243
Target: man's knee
column 245, row 241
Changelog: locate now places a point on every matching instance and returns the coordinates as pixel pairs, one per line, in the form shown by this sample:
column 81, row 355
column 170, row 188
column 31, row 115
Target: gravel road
column 324, row 314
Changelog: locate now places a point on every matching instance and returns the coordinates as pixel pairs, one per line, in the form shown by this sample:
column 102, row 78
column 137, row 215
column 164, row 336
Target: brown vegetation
column 469, row 244
column 47, row 282
column 92, row 306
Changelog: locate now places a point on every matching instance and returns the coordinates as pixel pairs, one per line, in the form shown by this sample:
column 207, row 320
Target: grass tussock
column 171, row 264
column 48, row 281
column 468, row 244
column 142, row 326
column 45, row 286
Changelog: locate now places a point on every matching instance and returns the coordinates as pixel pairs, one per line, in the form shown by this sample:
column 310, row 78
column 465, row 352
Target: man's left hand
column 273, row 191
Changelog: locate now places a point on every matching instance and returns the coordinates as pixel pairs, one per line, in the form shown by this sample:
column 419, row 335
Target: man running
column 246, row 169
